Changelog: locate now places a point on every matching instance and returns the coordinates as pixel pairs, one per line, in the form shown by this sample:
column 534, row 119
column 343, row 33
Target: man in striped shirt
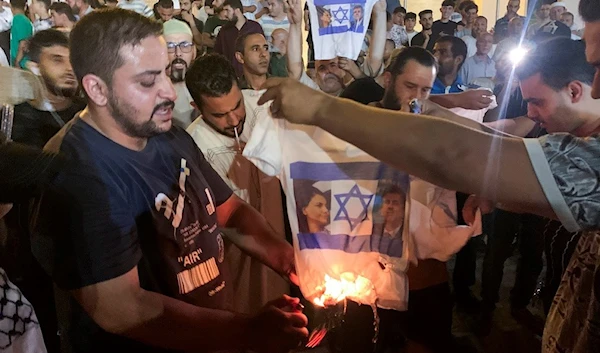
column 277, row 18
column 138, row 6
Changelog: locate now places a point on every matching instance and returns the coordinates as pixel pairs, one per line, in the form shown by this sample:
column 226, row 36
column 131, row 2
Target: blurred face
column 544, row 12
column 398, row 18
column 230, row 13
column 357, row 14
column 556, row 12
column 165, row 14
column 567, row 20
column 591, row 36
column 446, row 11
column 256, row 55
column 39, row 8
column 225, row 113
column 513, row 7
column 553, row 110
column 471, row 15
column 392, row 210
column 484, row 43
column 410, row 24
column 59, row 20
column 186, row 5
column 279, row 40
column 142, row 97
column 479, row 27
column 515, row 26
column 317, row 213
column 75, row 5
column 329, row 76
column 275, row 8
column 56, row 71
column 181, row 51
column 415, row 82
column 426, row 21
column 443, row 54
column 325, row 18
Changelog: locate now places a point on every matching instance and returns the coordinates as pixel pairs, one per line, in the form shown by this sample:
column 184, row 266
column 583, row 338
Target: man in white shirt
column 480, row 26
column 41, row 10
column 221, row 132
column 567, row 18
column 481, row 64
column 410, row 21
column 181, row 50
column 80, row 7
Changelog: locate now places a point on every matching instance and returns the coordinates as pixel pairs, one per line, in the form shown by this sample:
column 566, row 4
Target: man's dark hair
column 425, row 12
column 470, row 6
column 97, row 39
column 18, row 4
column 211, row 75
column 63, row 9
column 559, row 61
column 411, row 15
column 399, row 9
column 589, row 10
column 407, row 54
column 240, row 41
column 464, row 4
column 165, row 4
column 393, row 189
column 45, row 39
column 448, row 3
column 459, row 48
column 235, row 4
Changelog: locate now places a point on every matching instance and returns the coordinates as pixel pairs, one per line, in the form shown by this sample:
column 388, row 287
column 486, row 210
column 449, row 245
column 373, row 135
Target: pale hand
column 476, row 99
column 295, row 12
column 290, row 99
column 380, row 6
column 187, row 17
column 279, row 327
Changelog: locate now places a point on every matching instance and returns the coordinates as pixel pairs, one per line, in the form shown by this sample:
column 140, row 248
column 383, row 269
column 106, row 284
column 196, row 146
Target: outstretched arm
column 294, row 49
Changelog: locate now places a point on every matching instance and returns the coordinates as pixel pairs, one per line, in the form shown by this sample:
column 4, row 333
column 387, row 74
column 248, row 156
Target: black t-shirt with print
column 440, row 28
column 115, row 208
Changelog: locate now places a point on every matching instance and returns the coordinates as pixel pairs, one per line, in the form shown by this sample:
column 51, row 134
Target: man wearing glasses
column 182, row 53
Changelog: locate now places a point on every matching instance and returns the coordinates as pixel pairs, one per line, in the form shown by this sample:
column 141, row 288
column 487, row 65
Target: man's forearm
column 196, row 35
column 294, row 52
column 439, row 151
column 254, row 236
column 375, row 56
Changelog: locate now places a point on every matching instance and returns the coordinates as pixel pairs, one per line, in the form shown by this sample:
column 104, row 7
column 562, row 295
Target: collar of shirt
column 439, row 87
column 244, row 83
column 480, row 60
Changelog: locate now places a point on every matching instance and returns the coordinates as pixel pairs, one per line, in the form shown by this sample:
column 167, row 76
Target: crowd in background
column 460, row 63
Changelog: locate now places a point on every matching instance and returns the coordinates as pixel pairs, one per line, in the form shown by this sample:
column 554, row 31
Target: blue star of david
column 344, row 13
column 342, row 199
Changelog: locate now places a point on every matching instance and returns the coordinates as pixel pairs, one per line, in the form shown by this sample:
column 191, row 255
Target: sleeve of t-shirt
column 264, row 147
column 21, row 29
column 148, row 12
column 199, row 25
column 209, row 25
column 92, row 230
column 567, row 168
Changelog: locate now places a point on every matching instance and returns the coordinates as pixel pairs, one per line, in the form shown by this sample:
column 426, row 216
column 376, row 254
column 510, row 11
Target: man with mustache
column 49, row 60
column 227, row 117
column 252, row 51
column 131, row 233
column 182, row 52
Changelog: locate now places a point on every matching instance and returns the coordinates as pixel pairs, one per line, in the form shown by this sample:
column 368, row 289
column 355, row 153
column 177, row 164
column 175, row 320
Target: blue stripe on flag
column 339, row 2
column 351, row 244
column 344, row 171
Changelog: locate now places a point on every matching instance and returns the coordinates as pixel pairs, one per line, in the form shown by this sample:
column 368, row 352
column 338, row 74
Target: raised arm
column 375, row 56
column 294, row 49
column 439, row 151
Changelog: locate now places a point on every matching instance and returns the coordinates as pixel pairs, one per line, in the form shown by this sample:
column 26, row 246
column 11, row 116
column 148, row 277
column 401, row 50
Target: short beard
column 390, row 101
column 124, row 114
column 53, row 88
column 178, row 75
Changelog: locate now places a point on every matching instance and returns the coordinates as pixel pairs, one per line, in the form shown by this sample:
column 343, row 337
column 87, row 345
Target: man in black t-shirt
column 131, row 231
column 423, row 38
column 443, row 26
column 48, row 58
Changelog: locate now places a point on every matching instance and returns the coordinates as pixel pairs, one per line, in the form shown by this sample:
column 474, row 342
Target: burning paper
column 349, row 286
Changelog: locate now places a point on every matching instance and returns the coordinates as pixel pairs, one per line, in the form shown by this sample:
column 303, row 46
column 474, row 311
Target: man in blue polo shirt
column 450, row 53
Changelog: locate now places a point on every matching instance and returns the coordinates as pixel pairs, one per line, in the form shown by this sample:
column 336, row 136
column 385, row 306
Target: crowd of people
column 165, row 211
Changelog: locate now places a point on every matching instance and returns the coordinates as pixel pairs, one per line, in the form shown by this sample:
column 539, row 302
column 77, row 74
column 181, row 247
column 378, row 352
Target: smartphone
column 415, row 106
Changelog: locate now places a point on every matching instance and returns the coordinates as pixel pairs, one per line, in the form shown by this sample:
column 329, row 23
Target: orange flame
column 350, row 286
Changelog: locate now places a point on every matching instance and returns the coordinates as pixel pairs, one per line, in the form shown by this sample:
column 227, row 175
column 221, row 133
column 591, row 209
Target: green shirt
column 212, row 24
column 278, row 65
column 21, row 29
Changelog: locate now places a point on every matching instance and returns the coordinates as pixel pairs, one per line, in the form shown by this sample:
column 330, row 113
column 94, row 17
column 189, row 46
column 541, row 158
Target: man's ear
column 96, row 89
column 239, row 57
column 575, row 91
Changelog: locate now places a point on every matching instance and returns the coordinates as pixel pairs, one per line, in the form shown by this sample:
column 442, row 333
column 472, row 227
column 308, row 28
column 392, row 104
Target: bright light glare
column 517, row 55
